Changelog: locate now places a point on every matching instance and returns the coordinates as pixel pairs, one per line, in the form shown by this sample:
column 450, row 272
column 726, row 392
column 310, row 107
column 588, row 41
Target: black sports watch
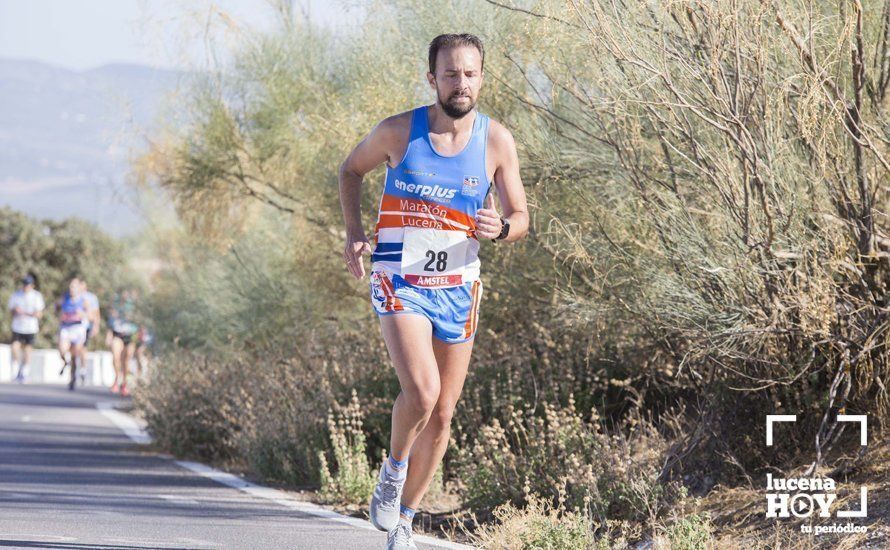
column 505, row 230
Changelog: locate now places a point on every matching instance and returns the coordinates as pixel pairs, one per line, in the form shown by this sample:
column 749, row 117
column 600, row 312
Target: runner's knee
column 423, row 398
column 440, row 419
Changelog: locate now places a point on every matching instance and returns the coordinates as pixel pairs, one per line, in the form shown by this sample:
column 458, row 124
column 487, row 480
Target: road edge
column 133, row 429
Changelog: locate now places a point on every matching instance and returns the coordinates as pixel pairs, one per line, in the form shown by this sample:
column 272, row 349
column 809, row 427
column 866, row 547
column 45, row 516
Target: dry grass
column 738, row 513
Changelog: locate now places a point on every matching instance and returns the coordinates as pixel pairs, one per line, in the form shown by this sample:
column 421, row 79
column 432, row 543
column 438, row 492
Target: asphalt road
column 71, row 479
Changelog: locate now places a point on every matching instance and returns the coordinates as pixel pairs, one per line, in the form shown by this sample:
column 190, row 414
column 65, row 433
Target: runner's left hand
column 488, row 221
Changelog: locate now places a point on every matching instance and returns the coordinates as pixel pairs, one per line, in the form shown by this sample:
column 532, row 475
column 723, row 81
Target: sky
column 80, row 35
column 84, row 34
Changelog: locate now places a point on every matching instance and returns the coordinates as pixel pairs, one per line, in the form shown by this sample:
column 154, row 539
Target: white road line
column 28, row 537
column 125, row 422
column 274, row 495
column 135, row 432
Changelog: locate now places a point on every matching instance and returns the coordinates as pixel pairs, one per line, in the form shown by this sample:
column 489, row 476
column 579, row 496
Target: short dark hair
column 453, row 41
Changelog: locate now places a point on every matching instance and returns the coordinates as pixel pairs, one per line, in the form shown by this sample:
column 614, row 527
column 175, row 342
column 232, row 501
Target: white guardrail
column 46, row 364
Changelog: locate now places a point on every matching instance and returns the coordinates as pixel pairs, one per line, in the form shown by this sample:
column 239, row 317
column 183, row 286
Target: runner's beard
column 454, row 109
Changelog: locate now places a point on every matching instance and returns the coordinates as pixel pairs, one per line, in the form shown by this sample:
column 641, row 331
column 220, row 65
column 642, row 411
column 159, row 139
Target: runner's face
column 458, row 79
column 74, row 287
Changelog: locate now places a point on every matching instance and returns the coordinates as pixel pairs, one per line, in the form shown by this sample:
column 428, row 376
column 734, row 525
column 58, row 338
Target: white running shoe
column 385, row 502
column 399, row 538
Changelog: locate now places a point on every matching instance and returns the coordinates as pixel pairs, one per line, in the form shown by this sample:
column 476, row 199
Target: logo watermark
column 805, row 497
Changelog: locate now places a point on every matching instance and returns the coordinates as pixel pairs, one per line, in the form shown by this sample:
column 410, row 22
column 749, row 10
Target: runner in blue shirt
column 442, row 163
column 72, row 311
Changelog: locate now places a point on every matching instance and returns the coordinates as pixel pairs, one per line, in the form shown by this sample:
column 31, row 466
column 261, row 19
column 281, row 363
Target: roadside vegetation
column 710, row 243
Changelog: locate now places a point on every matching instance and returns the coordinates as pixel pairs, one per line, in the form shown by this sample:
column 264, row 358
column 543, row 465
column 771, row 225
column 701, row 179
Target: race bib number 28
column 433, row 257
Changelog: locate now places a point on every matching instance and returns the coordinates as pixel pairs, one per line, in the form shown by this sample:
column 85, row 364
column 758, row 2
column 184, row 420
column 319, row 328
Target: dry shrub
column 709, row 193
column 352, row 480
column 563, row 455
column 692, row 532
column 196, row 407
column 280, row 445
column 265, row 408
column 539, row 524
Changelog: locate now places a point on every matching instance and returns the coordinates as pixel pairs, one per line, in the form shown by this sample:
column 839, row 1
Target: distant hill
column 66, row 137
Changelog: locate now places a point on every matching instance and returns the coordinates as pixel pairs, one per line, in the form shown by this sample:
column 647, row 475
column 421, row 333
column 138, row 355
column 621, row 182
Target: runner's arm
column 93, row 317
column 41, row 305
column 370, row 153
column 13, row 308
column 508, row 184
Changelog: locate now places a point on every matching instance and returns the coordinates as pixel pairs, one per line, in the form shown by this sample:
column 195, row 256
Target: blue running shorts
column 453, row 312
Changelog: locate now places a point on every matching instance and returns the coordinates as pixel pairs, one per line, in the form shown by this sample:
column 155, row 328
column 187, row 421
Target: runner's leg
column 82, row 359
column 64, row 348
column 140, row 361
column 16, row 352
column 117, row 348
column 429, row 447
column 75, row 360
column 408, row 339
column 126, row 355
column 17, row 361
column 26, row 363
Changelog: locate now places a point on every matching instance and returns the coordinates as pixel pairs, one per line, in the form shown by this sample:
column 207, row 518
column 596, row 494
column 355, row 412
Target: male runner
column 93, row 320
column 26, row 306
column 72, row 310
column 441, row 162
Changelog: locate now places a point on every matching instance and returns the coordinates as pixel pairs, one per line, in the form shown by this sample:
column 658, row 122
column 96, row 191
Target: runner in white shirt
column 26, row 307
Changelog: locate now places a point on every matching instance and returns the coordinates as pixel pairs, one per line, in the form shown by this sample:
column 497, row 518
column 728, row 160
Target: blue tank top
column 426, row 230
column 72, row 310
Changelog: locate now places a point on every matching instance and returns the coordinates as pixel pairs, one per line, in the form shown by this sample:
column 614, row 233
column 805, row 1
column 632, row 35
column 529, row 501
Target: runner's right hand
column 356, row 246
